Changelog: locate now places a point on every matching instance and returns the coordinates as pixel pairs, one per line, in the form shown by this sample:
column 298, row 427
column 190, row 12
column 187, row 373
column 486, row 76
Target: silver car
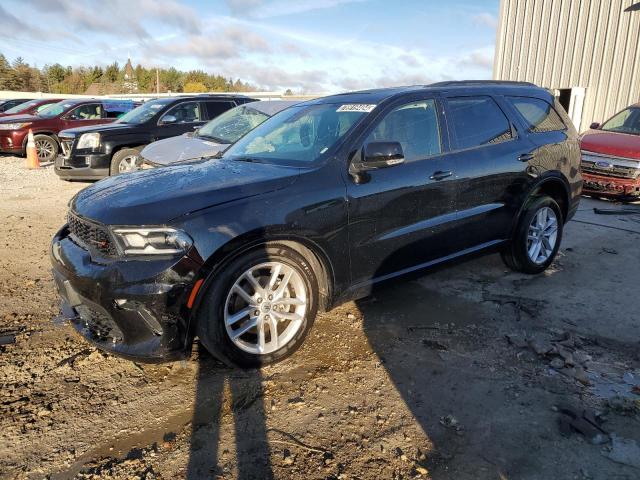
column 212, row 137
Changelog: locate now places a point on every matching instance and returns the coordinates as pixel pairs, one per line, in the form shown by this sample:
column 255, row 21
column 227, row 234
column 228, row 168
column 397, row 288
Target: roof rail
column 462, row 83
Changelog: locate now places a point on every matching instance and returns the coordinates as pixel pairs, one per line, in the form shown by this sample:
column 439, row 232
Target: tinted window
column 538, row 114
column 90, row 111
column 117, row 109
column 415, row 126
column 186, row 112
column 477, row 121
column 216, row 108
column 627, row 121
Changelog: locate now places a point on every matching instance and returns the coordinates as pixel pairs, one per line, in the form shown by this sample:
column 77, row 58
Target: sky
column 309, row 46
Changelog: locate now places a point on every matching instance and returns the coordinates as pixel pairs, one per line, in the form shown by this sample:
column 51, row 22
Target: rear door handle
column 526, row 157
column 440, row 175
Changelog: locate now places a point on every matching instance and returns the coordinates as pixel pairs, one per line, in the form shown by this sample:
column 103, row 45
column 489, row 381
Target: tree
column 194, row 87
column 4, row 72
column 112, row 72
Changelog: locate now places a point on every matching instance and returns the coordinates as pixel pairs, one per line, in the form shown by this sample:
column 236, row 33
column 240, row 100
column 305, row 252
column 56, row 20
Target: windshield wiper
column 247, row 159
column 210, row 137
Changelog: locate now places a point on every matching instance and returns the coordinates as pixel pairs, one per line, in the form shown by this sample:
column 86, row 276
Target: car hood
column 611, row 143
column 181, row 148
column 157, row 196
column 19, row 118
column 102, row 128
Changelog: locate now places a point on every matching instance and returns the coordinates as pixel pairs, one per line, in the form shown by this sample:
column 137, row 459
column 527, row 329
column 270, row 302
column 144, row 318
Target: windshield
column 627, row 121
column 55, row 109
column 22, row 107
column 232, row 124
column 144, row 112
column 298, row 135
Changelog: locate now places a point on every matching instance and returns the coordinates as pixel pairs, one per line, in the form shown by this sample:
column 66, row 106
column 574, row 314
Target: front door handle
column 526, row 157
column 440, row 175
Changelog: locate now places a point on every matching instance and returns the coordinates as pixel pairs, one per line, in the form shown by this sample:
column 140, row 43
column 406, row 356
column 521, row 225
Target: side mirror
column 594, row 126
column 169, row 119
column 380, row 155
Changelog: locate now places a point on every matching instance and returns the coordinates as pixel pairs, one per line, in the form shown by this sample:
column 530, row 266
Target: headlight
column 14, row 126
column 89, row 140
column 151, row 241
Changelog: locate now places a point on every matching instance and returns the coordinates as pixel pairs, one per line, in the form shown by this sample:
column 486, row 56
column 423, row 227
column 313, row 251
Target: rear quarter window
column 538, row 114
column 215, row 108
column 477, row 121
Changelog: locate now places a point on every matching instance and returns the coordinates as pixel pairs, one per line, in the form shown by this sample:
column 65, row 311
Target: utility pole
column 157, row 80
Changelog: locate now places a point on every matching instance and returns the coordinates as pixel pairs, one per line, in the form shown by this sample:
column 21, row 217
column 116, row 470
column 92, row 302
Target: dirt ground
column 470, row 372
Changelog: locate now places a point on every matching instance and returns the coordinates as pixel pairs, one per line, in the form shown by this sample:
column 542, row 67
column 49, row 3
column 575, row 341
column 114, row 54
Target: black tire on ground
column 119, row 157
column 210, row 316
column 47, row 147
column 515, row 254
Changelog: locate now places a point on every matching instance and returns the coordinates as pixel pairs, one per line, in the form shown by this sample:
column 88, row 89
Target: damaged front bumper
column 132, row 308
column 611, row 186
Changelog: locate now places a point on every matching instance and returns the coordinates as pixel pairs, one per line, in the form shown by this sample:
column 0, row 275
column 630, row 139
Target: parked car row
column 314, row 206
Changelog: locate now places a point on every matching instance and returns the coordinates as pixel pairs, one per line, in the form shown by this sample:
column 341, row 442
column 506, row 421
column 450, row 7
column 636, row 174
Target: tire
column 124, row 155
column 47, row 148
column 518, row 254
column 222, row 304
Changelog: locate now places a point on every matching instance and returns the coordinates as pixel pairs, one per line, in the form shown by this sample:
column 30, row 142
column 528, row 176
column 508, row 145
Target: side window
column 415, row 126
column 477, row 121
column 216, row 108
column 117, row 109
column 90, row 111
column 539, row 115
column 187, row 112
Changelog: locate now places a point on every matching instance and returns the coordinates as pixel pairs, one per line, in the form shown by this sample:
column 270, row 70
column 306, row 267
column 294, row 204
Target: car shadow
column 222, row 391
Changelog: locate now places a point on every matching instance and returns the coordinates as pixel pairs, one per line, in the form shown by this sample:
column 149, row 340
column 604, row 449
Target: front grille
column 90, row 235
column 66, row 144
column 610, row 166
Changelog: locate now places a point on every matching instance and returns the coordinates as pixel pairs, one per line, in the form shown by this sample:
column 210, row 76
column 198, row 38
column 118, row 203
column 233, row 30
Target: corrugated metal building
column 587, row 50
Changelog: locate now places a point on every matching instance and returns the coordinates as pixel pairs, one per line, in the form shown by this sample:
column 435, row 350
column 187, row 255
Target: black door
column 399, row 216
column 181, row 118
column 486, row 149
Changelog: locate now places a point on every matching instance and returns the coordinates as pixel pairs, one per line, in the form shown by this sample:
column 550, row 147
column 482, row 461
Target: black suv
column 95, row 152
column 312, row 208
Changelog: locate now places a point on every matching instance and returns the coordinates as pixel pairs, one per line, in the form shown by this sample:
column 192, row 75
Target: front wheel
column 125, row 161
column 46, row 148
column 537, row 237
column 259, row 309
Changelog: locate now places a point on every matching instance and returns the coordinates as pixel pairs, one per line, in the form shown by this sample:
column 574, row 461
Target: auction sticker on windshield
column 356, row 107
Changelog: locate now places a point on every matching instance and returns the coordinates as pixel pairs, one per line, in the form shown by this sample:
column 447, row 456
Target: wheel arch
column 552, row 184
column 318, row 259
column 40, row 132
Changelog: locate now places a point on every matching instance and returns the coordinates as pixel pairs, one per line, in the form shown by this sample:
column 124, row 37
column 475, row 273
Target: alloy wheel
column 265, row 308
column 542, row 235
column 130, row 163
column 45, row 150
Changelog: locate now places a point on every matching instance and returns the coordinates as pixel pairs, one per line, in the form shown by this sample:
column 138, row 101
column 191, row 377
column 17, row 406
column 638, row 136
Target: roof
column 271, row 107
column 376, row 96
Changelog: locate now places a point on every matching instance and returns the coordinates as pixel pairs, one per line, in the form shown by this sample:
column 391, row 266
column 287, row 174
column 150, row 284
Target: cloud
column 279, row 8
column 123, row 17
column 485, row 19
column 482, row 58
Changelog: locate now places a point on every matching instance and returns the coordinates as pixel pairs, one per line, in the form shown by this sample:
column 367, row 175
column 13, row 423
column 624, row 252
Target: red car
column 611, row 156
column 32, row 107
column 14, row 129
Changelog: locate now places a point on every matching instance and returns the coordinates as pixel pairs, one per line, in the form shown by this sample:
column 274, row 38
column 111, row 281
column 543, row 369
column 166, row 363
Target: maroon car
column 32, row 107
column 14, row 129
column 611, row 156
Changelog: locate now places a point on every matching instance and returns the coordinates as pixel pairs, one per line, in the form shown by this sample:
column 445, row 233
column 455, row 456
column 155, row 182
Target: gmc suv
column 58, row 116
column 314, row 207
column 91, row 153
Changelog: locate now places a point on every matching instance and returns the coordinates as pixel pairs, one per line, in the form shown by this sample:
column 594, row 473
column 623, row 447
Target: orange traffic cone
column 32, row 154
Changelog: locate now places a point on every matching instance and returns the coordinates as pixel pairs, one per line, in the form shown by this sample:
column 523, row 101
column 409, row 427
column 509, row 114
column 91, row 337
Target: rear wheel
column 537, row 237
column 125, row 161
column 46, row 147
column 260, row 307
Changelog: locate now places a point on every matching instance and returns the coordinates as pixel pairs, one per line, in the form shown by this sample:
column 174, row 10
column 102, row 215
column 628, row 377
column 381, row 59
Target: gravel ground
column 470, row 372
